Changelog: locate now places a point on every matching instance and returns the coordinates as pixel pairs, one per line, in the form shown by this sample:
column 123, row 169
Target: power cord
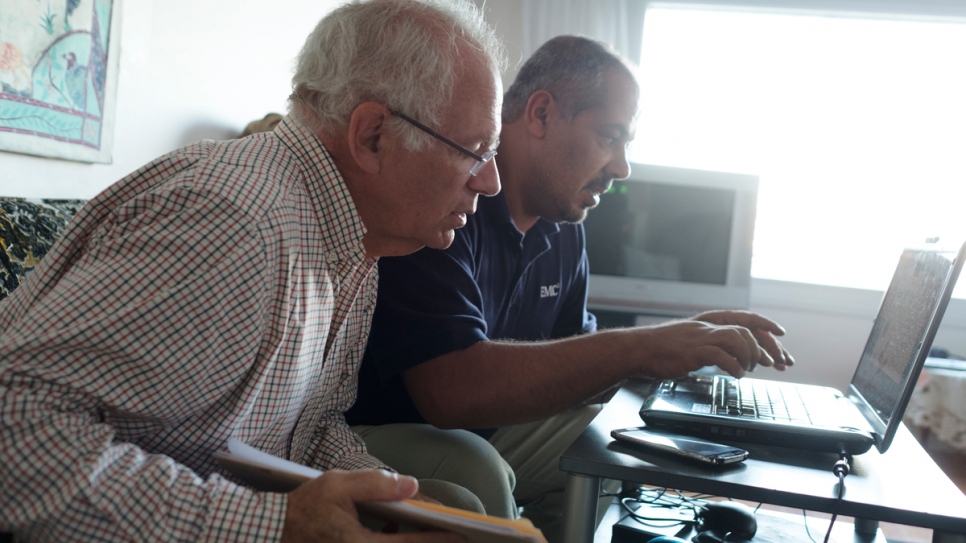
column 841, row 469
column 658, row 497
column 663, row 498
column 648, row 520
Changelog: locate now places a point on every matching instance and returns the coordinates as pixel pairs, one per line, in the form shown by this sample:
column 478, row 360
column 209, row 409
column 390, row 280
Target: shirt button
column 332, row 257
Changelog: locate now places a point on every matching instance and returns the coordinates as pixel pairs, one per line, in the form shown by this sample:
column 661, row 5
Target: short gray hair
column 406, row 54
column 572, row 69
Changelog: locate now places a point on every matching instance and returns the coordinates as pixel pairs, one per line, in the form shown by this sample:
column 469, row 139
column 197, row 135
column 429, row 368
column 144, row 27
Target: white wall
column 189, row 70
column 507, row 18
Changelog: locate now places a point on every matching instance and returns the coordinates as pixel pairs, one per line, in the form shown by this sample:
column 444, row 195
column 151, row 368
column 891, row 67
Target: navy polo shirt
column 492, row 283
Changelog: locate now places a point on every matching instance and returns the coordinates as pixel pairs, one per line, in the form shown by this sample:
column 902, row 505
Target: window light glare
column 856, row 128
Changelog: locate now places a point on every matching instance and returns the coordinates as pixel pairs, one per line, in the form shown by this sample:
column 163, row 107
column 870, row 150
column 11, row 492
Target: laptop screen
column 901, row 337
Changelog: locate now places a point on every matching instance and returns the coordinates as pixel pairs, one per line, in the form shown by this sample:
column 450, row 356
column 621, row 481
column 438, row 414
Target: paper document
column 273, row 474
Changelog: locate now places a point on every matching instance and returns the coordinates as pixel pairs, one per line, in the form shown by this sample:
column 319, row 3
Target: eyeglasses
column 481, row 160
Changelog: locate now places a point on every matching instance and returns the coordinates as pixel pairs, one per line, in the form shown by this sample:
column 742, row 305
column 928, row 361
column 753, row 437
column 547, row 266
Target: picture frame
column 58, row 77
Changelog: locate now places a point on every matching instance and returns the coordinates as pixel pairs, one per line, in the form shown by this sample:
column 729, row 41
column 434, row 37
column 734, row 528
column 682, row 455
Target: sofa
column 28, row 229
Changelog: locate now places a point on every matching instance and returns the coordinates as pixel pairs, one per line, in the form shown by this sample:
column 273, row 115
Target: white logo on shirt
column 550, row 291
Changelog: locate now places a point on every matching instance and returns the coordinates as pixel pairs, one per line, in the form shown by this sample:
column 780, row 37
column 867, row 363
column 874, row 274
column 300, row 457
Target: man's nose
column 487, row 180
column 618, row 167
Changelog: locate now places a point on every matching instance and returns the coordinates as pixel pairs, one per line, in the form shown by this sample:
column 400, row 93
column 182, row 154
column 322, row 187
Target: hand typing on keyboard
column 762, row 328
column 735, row 341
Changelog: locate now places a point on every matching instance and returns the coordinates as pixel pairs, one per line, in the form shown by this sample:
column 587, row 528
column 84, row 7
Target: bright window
column 856, row 127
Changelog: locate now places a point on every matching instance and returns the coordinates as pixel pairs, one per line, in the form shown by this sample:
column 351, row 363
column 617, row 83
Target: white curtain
column 617, row 22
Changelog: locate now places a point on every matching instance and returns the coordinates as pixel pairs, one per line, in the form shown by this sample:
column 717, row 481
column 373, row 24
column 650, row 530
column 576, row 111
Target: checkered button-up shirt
column 219, row 291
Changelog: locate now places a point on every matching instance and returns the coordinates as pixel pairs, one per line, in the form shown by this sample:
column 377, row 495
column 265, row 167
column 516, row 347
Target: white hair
column 405, row 54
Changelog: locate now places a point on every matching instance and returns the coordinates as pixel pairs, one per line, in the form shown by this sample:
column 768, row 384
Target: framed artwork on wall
column 58, row 77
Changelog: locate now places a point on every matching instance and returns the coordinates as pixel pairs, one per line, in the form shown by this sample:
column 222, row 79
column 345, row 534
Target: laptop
column 816, row 418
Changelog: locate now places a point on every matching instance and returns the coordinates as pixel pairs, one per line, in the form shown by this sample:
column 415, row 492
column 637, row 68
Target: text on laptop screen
column 896, row 338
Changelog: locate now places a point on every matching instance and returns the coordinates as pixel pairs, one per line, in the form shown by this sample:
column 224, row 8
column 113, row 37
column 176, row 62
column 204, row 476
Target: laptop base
column 669, row 408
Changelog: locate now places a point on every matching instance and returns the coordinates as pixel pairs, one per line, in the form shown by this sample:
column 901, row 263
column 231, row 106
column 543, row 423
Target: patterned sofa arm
column 28, row 228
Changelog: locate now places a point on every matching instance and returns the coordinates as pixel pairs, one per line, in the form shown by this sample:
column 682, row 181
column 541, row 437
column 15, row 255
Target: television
column 672, row 241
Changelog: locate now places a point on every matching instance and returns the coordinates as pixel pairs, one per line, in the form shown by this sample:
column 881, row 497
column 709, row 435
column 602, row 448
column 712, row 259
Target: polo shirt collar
column 496, row 205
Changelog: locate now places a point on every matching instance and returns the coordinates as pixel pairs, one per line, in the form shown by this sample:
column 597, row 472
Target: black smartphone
column 685, row 446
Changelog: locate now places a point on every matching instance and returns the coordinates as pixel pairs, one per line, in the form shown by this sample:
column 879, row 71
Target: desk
column 903, row 486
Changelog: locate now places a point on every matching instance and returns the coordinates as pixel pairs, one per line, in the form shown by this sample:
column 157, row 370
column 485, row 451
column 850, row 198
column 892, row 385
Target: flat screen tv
column 672, row 241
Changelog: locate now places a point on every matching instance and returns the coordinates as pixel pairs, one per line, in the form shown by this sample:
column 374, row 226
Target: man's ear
column 366, row 135
column 539, row 108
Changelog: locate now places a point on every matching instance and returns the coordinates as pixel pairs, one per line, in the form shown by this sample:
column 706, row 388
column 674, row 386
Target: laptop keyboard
column 760, row 399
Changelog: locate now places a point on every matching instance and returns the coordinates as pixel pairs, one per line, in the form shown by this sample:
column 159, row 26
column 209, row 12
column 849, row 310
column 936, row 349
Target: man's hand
column 762, row 328
column 735, row 341
column 420, row 497
column 323, row 510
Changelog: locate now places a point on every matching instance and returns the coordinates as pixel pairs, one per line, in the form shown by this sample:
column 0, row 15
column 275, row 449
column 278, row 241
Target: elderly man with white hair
column 225, row 290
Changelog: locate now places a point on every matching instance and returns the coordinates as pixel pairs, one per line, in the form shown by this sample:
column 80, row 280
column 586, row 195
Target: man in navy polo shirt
column 493, row 334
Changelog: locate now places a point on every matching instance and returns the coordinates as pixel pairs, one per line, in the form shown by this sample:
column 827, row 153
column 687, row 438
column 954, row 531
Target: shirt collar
column 342, row 227
column 496, row 207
